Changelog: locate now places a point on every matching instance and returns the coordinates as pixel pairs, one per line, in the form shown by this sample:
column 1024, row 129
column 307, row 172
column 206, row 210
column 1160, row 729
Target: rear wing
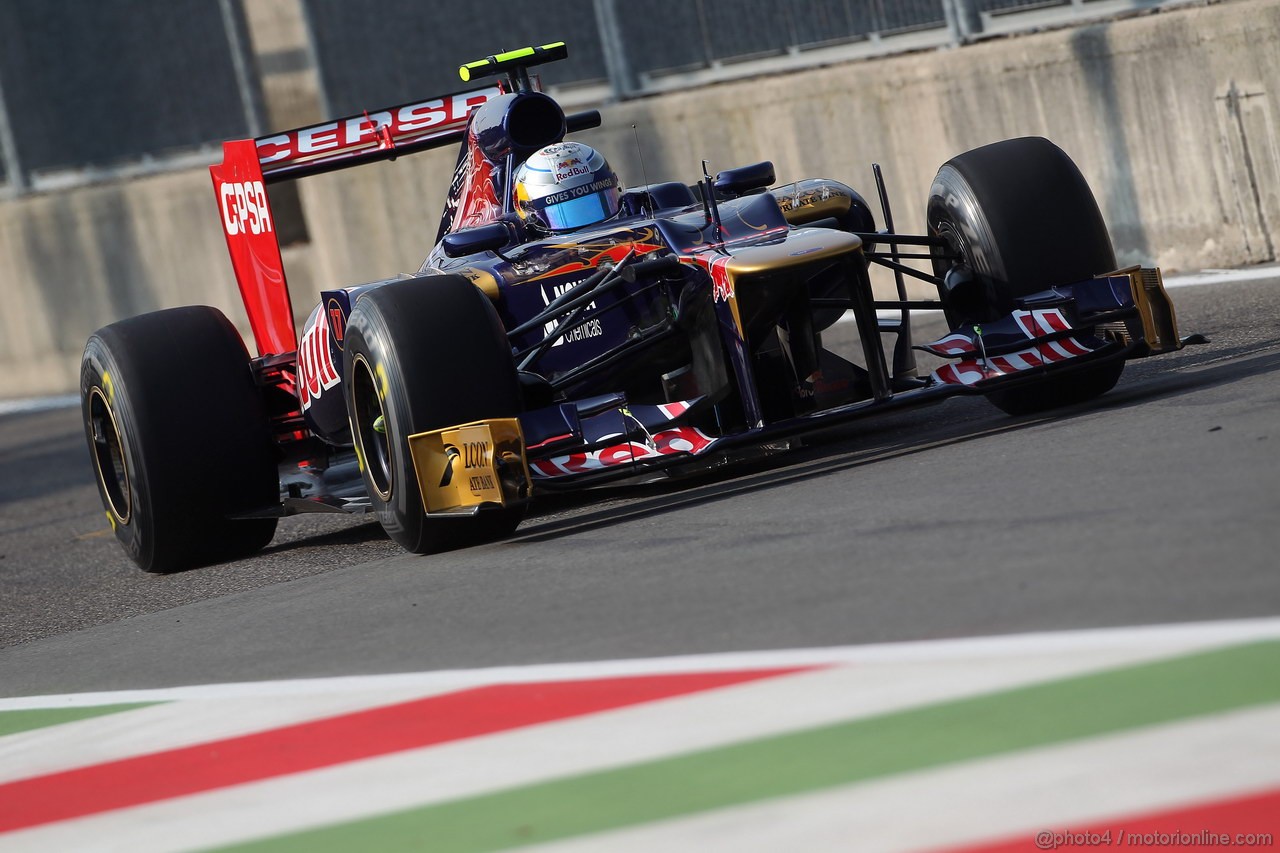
column 249, row 165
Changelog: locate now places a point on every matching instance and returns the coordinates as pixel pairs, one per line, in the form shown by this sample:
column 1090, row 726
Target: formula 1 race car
column 565, row 332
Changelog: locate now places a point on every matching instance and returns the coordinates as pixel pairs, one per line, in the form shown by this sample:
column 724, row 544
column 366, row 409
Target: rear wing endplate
column 249, row 165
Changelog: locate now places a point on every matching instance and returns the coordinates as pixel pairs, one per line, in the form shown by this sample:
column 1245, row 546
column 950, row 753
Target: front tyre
column 179, row 438
column 420, row 355
column 1023, row 219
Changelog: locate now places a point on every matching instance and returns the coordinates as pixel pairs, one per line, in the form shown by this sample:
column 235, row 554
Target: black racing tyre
column 424, row 354
column 1023, row 219
column 179, row 438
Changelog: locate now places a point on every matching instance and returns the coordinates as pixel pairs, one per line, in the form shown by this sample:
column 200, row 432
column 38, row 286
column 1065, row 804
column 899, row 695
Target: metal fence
column 107, row 88
column 410, row 49
column 93, row 84
column 674, row 35
column 628, row 46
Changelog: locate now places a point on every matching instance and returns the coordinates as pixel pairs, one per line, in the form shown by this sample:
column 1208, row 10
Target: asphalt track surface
column 1157, row 503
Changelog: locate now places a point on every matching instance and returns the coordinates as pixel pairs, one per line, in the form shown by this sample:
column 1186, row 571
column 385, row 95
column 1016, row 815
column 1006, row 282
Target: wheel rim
column 372, row 442
column 955, row 241
column 108, row 457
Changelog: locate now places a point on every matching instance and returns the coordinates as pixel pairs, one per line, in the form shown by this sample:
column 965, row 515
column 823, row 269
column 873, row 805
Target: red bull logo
column 564, row 173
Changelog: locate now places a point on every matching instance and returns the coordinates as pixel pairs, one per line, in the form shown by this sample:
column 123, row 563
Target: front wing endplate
column 1159, row 322
column 462, row 468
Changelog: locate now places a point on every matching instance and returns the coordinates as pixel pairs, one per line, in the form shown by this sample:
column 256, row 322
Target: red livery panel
column 255, row 251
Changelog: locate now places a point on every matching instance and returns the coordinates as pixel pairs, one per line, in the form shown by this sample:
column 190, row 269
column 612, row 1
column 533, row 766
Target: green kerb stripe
column 814, row 759
column 12, row 722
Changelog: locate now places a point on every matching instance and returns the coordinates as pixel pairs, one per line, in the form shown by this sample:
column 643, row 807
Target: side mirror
column 732, row 183
column 473, row 241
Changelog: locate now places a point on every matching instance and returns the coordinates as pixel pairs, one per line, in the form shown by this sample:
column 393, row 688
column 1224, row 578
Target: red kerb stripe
column 1198, row 827
column 335, row 740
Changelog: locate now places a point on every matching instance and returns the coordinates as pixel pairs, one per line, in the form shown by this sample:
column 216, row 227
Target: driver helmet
column 565, row 186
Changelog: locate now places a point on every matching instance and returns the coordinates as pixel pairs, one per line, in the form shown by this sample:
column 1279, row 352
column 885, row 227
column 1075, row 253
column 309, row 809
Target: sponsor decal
column 564, row 173
column 576, row 192
column 811, row 197
column 244, row 208
column 1039, row 323
column 673, row 410
column 589, row 329
column 666, row 443
column 411, row 120
column 475, row 202
column 721, row 283
column 476, row 465
column 1035, row 324
column 316, row 371
column 970, row 371
column 337, row 321
column 952, row 345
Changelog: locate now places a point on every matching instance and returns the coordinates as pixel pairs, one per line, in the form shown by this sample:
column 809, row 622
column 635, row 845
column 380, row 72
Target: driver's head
column 565, row 186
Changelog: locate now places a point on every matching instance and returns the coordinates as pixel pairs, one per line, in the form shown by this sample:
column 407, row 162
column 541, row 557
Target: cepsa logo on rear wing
column 248, row 165
column 244, row 208
column 379, row 131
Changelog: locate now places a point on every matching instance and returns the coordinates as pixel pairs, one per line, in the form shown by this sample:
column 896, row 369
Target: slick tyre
column 1023, row 219
column 420, row 355
column 178, row 438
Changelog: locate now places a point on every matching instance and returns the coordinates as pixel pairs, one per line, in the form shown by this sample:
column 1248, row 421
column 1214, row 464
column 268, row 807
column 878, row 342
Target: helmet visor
column 578, row 212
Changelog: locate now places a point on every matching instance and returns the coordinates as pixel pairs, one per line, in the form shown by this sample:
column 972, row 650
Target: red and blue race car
column 566, row 330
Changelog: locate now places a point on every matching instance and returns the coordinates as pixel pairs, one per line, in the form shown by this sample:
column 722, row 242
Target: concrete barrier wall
column 75, row 260
column 1171, row 117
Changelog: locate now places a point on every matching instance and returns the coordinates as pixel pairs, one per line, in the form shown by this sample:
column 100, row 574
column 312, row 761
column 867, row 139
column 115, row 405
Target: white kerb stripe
column 1197, row 633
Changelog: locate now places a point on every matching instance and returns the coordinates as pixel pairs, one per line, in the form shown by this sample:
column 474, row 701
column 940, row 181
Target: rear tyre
column 179, row 438
column 1023, row 219
column 421, row 355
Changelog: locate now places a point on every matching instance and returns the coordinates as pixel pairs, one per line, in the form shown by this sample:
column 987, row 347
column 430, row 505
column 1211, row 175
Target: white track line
column 1152, row 636
column 38, row 404
column 1212, row 276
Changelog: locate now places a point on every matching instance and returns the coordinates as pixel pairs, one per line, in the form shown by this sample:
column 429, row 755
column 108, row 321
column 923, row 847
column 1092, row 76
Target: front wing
column 1123, row 315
